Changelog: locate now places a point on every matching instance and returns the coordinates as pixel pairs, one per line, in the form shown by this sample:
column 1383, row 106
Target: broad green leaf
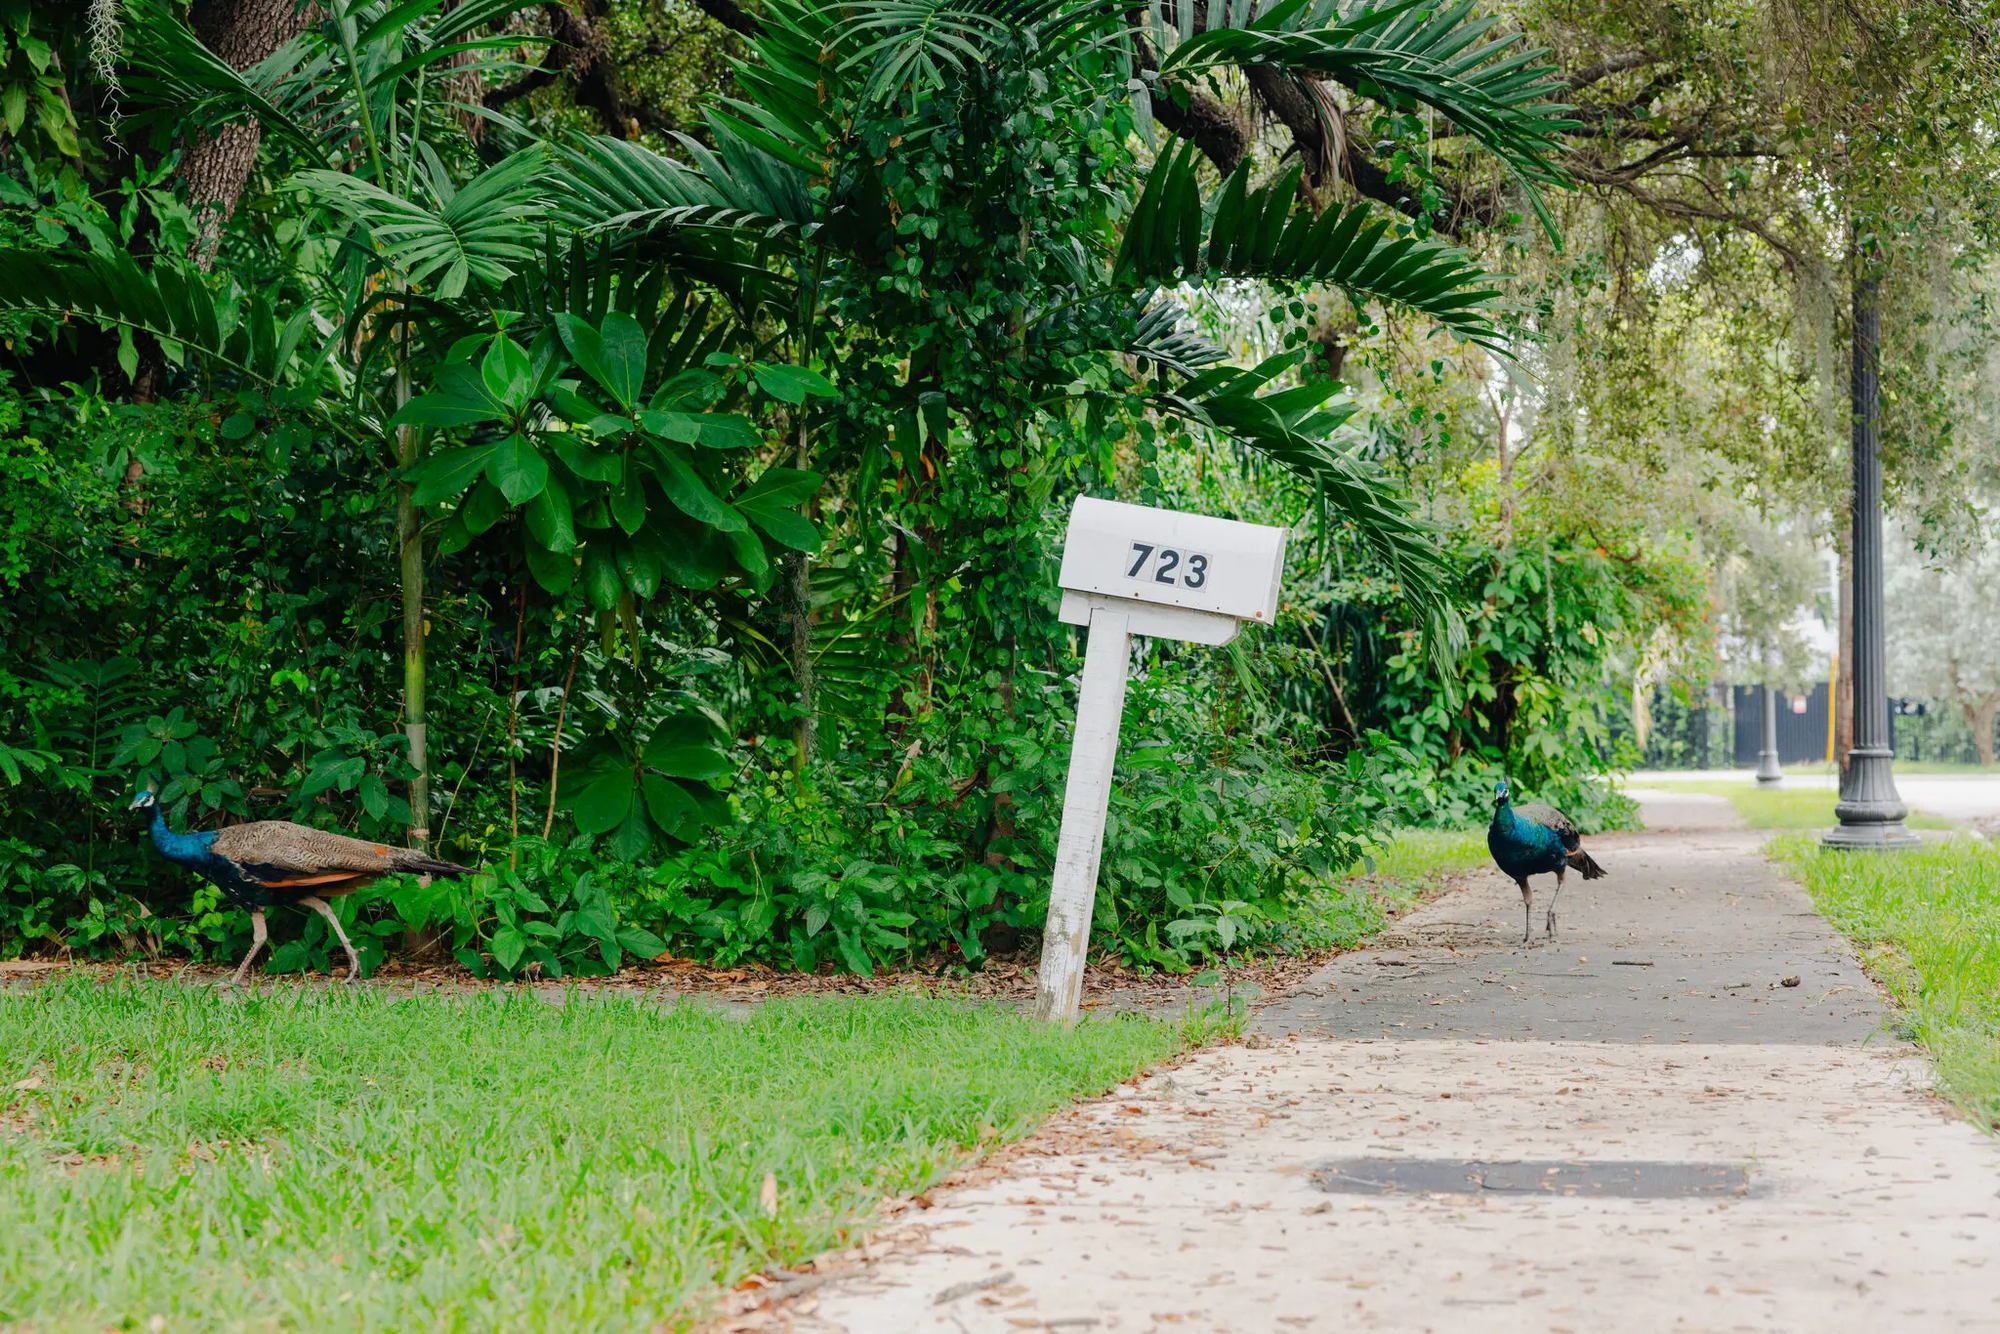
column 374, row 796
column 750, row 554
column 639, row 566
column 769, row 503
column 601, row 583
column 445, row 410
column 633, row 839
column 688, row 391
column 666, row 802
column 578, row 455
column 604, row 802
column 509, row 944
column 623, row 341
column 791, row 384
column 694, row 560
column 786, row 527
column 483, row 508
column 507, row 373
column 444, row 475
column 628, row 498
column 678, row 758
column 518, row 469
column 583, row 343
column 690, row 494
column 726, row 430
column 549, row 519
column 684, row 427
column 554, row 571
column 782, row 486
column 571, row 406
column 640, row 942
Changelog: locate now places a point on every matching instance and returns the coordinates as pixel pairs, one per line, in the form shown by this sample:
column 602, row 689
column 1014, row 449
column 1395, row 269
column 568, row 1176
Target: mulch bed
column 1107, row 987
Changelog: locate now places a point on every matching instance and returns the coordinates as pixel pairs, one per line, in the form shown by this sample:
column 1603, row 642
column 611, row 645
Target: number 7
column 1139, row 564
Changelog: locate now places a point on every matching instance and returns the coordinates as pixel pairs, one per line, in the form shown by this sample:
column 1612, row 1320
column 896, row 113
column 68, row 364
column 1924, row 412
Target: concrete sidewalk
column 1637, row 1126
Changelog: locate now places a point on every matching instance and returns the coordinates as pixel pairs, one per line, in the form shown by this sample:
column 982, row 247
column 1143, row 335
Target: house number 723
column 1166, row 565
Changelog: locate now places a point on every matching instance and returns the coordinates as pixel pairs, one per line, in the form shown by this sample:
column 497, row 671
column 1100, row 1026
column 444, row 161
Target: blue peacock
column 1535, row 840
column 275, row 863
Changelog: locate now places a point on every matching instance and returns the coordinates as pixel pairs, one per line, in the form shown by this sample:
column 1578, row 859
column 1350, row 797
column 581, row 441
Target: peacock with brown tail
column 275, row 863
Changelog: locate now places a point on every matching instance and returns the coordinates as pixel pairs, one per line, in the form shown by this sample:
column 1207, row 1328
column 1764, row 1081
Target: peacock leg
column 325, row 909
column 1552, row 901
column 1527, row 910
column 257, row 937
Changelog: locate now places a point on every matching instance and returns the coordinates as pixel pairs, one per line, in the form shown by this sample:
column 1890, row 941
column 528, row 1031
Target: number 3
column 1197, row 574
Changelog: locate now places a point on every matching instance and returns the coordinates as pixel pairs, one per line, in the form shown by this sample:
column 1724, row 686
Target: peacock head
column 145, row 798
column 1500, row 793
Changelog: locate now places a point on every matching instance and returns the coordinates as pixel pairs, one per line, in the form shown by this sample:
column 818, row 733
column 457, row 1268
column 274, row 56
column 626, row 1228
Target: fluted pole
column 1769, row 774
column 1870, row 810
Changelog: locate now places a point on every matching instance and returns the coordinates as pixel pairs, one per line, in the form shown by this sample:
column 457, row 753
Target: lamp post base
column 1769, row 773
column 1870, row 810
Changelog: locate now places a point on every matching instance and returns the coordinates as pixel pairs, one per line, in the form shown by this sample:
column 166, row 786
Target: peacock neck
column 183, row 848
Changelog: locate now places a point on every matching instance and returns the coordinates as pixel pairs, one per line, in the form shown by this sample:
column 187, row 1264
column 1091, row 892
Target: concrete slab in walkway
column 1197, row 1199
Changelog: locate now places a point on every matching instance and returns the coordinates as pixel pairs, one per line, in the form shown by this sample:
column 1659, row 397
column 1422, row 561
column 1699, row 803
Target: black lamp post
column 1870, row 810
column 1769, row 774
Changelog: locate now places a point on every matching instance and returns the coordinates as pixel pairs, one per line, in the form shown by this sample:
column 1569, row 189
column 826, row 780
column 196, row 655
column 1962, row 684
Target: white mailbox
column 1225, row 572
column 1132, row 570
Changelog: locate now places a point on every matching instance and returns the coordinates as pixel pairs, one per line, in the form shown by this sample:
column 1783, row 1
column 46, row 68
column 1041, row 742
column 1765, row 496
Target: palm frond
column 1172, row 236
column 1439, row 55
column 1294, row 428
column 185, row 84
column 326, row 91
column 477, row 232
column 1163, row 340
column 170, row 302
column 615, row 185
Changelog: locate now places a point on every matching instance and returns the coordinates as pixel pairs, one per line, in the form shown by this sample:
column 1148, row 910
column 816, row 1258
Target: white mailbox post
column 1131, row 570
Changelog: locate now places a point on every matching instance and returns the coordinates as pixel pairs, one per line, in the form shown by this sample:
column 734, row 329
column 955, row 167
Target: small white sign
column 1173, row 559
column 1132, row 570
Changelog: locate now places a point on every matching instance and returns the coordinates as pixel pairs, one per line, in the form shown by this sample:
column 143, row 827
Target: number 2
column 1169, row 561
column 1139, row 564
column 1197, row 574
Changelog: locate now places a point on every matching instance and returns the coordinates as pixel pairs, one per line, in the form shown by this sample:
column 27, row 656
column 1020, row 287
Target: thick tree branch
column 216, row 169
column 1683, row 208
column 1609, row 66
column 577, row 52
column 731, row 16
column 1192, row 112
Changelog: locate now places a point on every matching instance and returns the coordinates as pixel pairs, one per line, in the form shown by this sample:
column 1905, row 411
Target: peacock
column 1535, row 840
column 274, row 863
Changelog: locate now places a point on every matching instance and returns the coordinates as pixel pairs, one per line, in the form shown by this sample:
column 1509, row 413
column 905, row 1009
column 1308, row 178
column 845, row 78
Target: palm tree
column 798, row 171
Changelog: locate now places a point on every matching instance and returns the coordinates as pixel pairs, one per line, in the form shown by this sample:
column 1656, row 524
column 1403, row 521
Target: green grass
column 1408, row 867
column 330, row 1161
column 1786, row 808
column 1416, row 861
column 1929, row 920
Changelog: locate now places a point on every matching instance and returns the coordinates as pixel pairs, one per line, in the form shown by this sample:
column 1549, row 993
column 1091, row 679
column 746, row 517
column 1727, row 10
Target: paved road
column 1681, row 1146
column 1969, row 797
column 1690, row 939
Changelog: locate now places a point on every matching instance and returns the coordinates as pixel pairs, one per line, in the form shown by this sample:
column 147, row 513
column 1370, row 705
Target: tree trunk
column 1978, row 711
column 799, row 579
column 410, row 549
column 215, row 170
column 1843, row 683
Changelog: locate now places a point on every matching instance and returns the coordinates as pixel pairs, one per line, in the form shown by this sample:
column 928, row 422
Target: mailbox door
column 1174, row 559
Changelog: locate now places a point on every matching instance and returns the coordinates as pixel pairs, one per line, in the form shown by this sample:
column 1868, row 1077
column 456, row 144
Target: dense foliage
column 669, row 527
